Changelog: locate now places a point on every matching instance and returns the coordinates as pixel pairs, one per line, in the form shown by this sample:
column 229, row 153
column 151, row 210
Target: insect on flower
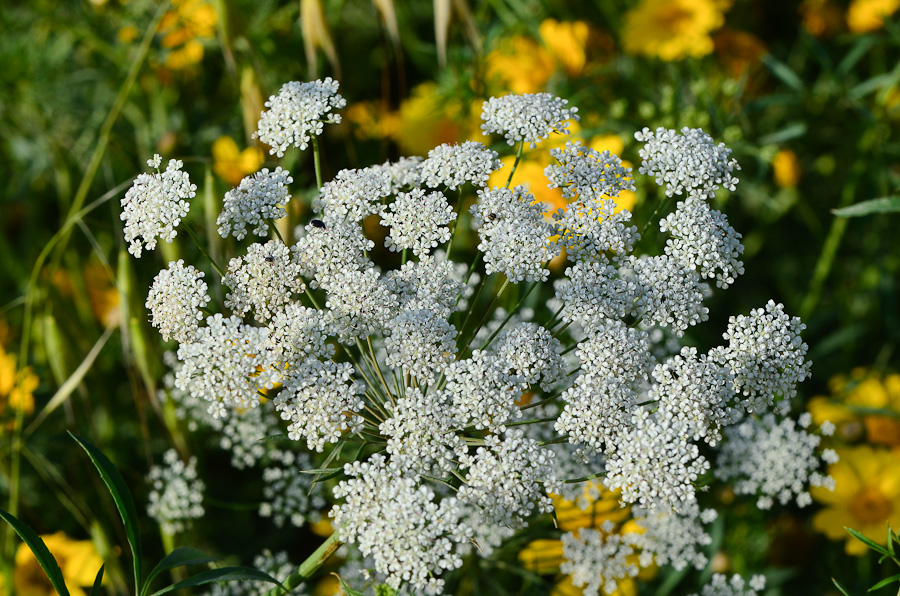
column 318, row 223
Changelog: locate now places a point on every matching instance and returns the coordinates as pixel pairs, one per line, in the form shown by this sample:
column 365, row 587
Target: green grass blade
column 223, row 574
column 838, row 585
column 96, row 589
column 885, row 581
column 783, row 72
column 124, row 502
column 882, row 205
column 183, row 555
column 867, row 541
column 40, row 550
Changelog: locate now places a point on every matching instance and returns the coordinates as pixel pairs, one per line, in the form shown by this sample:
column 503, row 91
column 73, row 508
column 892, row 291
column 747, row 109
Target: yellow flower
column 427, row 120
column 16, row 386
column 542, row 556
column 102, row 294
column 868, row 15
column 603, row 506
column 821, row 18
column 183, row 28
column 786, row 168
column 127, row 34
column 672, row 29
column 626, row 587
column 520, row 65
column 232, row 164
column 78, row 560
column 854, row 404
column 567, row 41
column 866, row 496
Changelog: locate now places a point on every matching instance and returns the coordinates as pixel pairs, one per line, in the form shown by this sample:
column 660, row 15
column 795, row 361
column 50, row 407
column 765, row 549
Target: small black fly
column 318, row 223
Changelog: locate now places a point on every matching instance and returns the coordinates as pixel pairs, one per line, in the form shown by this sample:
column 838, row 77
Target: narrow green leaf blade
column 885, row 581
column 838, row 585
column 183, row 555
column 890, row 540
column 40, row 550
column 783, row 72
column 346, row 587
column 95, row 589
column 882, row 205
column 867, row 541
column 124, row 502
column 222, row 574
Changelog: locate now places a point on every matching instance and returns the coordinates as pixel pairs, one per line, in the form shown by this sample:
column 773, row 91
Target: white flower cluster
column 175, row 301
column 720, row 585
column 276, row 565
column 258, row 199
column 672, row 538
column 353, row 195
column 595, row 293
column 479, row 395
column 421, row 434
column 426, row 284
column 319, row 400
column 597, row 559
column 298, row 112
column 327, row 251
column 587, row 173
column 508, row 478
column 592, row 229
column 288, row 494
column 772, row 459
column 702, row 239
column 227, row 364
column 454, row 165
column 529, row 355
column 405, row 173
column 687, row 162
column 176, row 496
column 515, row 239
column 421, row 343
column 527, row 118
column 669, row 294
column 155, row 205
column 264, row 280
column 418, row 222
column 397, row 522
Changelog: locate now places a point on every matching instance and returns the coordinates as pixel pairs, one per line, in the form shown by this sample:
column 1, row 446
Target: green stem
column 193, row 235
column 487, row 315
column 516, row 163
column 455, row 222
column 318, row 161
column 308, row 567
column 277, row 231
column 511, row 314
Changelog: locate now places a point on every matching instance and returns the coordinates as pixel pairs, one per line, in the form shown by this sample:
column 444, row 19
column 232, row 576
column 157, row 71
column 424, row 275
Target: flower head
column 176, row 300
column 260, row 198
column 529, row 118
column 299, row 112
column 688, row 161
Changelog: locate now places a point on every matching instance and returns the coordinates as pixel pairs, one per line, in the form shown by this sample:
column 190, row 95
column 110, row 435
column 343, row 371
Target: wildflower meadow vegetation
column 458, row 297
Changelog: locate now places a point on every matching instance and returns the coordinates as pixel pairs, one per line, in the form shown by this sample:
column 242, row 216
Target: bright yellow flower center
column 870, row 506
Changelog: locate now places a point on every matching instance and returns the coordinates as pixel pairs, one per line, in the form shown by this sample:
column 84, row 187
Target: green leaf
column 787, row 133
column 95, row 589
column 783, row 72
column 838, row 585
column 222, row 574
column 183, row 555
column 321, row 471
column 40, row 550
column 867, row 541
column 346, row 588
column 890, row 541
column 885, row 581
column 882, row 205
column 124, row 502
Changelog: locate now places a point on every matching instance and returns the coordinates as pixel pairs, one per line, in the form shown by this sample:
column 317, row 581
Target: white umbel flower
column 669, row 295
column 258, row 199
column 597, row 559
column 595, row 293
column 176, row 496
column 509, row 478
column 404, row 174
column 353, row 195
column 529, row 355
column 263, row 280
column 421, row 433
column 515, row 239
column 479, row 394
column 175, row 301
column 227, row 364
column 587, row 173
column 327, row 250
column 396, row 521
column 297, row 332
column 773, row 460
column 299, row 112
column 155, row 205
column 426, row 284
column 454, row 165
column 702, row 239
column 421, row 343
column 418, row 221
column 529, row 117
column 654, row 464
column 361, row 304
column 689, row 162
column 720, row 585
column 672, row 538
column 289, row 495
column 592, row 228
column 319, row 400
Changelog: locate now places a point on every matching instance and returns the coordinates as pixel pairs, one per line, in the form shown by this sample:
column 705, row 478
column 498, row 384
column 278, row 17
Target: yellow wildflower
column 567, row 41
column 16, row 386
column 542, row 556
column 786, row 168
column 102, row 294
column 519, row 65
column 78, row 560
column 183, row 28
column 868, row 15
column 821, row 18
column 232, row 164
column 127, row 34
column 426, row 120
column 672, row 29
column 866, row 496
column 603, row 506
column 626, row 587
column 863, row 402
